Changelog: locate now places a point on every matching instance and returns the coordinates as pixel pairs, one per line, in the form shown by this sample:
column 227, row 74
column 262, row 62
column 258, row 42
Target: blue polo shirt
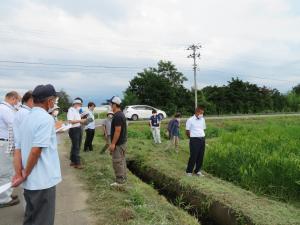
column 38, row 130
column 155, row 120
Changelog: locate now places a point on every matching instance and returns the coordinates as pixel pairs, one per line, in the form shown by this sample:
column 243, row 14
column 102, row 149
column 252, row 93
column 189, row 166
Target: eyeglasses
column 53, row 99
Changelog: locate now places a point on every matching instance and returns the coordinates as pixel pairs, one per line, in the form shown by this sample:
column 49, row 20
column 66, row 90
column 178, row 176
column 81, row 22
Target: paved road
column 71, row 206
column 99, row 122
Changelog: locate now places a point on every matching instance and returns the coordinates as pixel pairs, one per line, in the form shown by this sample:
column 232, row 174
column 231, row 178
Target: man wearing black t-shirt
column 118, row 142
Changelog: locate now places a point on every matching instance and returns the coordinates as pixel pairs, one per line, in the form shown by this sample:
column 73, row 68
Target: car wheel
column 161, row 116
column 134, row 117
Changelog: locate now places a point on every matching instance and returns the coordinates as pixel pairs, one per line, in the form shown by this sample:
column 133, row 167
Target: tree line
column 163, row 87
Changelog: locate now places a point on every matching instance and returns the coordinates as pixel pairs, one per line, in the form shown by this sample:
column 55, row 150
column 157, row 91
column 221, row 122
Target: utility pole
column 195, row 55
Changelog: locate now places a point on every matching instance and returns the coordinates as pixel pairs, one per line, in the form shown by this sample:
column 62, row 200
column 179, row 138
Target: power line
column 67, row 65
column 60, row 67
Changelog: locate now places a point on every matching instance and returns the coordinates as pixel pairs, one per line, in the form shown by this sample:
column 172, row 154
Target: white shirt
column 39, row 131
column 19, row 117
column 91, row 125
column 7, row 116
column 73, row 114
column 196, row 126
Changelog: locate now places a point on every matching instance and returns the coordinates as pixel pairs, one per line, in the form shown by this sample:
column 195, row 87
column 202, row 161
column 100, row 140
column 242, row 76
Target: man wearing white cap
column 75, row 133
column 118, row 142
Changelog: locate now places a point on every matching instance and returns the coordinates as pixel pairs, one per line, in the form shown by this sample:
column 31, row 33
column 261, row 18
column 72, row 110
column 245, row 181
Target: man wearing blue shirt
column 154, row 123
column 36, row 163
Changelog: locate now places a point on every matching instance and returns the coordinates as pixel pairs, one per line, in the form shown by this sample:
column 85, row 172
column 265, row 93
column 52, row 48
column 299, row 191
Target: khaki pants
column 108, row 140
column 156, row 134
column 119, row 163
column 175, row 141
column 6, row 171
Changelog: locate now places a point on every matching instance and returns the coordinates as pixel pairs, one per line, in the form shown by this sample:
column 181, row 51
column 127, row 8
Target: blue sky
column 257, row 40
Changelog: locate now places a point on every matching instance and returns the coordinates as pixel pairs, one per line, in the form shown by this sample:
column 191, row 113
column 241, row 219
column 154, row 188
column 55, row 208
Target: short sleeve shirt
column 196, row 126
column 19, row 117
column 7, row 116
column 92, row 124
column 73, row 114
column 155, row 120
column 38, row 130
column 119, row 120
column 107, row 124
column 175, row 128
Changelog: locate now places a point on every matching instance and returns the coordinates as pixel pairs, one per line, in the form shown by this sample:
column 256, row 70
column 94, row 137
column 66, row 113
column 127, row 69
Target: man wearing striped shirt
column 7, row 115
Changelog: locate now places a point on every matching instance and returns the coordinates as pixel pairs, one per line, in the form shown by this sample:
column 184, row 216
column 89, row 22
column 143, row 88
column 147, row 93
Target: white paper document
column 5, row 187
column 64, row 128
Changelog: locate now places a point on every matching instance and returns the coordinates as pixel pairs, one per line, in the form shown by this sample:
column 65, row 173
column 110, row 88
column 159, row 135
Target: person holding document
column 7, row 115
column 36, row 163
column 90, row 128
column 75, row 132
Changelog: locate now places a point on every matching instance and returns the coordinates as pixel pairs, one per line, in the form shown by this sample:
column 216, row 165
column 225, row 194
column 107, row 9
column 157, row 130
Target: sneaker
column 189, row 174
column 116, row 184
column 72, row 164
column 11, row 203
column 199, row 174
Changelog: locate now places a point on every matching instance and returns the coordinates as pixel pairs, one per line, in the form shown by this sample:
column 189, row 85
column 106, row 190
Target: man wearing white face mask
column 7, row 115
column 54, row 112
column 37, row 165
column 75, row 133
column 58, row 124
column 195, row 127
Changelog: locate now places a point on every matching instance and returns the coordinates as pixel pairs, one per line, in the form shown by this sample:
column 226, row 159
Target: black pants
column 88, row 144
column 75, row 135
column 197, row 149
column 40, row 207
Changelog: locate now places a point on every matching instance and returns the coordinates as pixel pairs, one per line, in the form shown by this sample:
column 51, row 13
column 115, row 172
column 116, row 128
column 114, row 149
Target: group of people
column 114, row 128
column 195, row 130
column 28, row 148
column 29, row 153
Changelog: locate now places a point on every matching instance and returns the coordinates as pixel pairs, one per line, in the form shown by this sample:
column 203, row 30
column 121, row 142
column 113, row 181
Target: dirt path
column 71, row 205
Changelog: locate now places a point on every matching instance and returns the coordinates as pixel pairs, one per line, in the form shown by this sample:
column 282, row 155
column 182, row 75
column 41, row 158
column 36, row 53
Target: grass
column 232, row 145
column 136, row 203
column 261, row 155
column 260, row 209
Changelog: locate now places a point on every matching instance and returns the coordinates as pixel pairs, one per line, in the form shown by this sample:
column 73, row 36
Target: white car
column 135, row 112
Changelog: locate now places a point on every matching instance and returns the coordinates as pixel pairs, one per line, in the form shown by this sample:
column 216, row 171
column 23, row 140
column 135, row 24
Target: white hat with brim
column 77, row 101
column 116, row 100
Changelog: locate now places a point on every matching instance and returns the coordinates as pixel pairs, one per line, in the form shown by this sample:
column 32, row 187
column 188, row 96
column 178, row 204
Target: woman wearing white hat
column 75, row 133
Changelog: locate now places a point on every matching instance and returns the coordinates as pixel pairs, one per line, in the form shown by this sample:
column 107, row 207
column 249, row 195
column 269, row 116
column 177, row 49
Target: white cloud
column 250, row 36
